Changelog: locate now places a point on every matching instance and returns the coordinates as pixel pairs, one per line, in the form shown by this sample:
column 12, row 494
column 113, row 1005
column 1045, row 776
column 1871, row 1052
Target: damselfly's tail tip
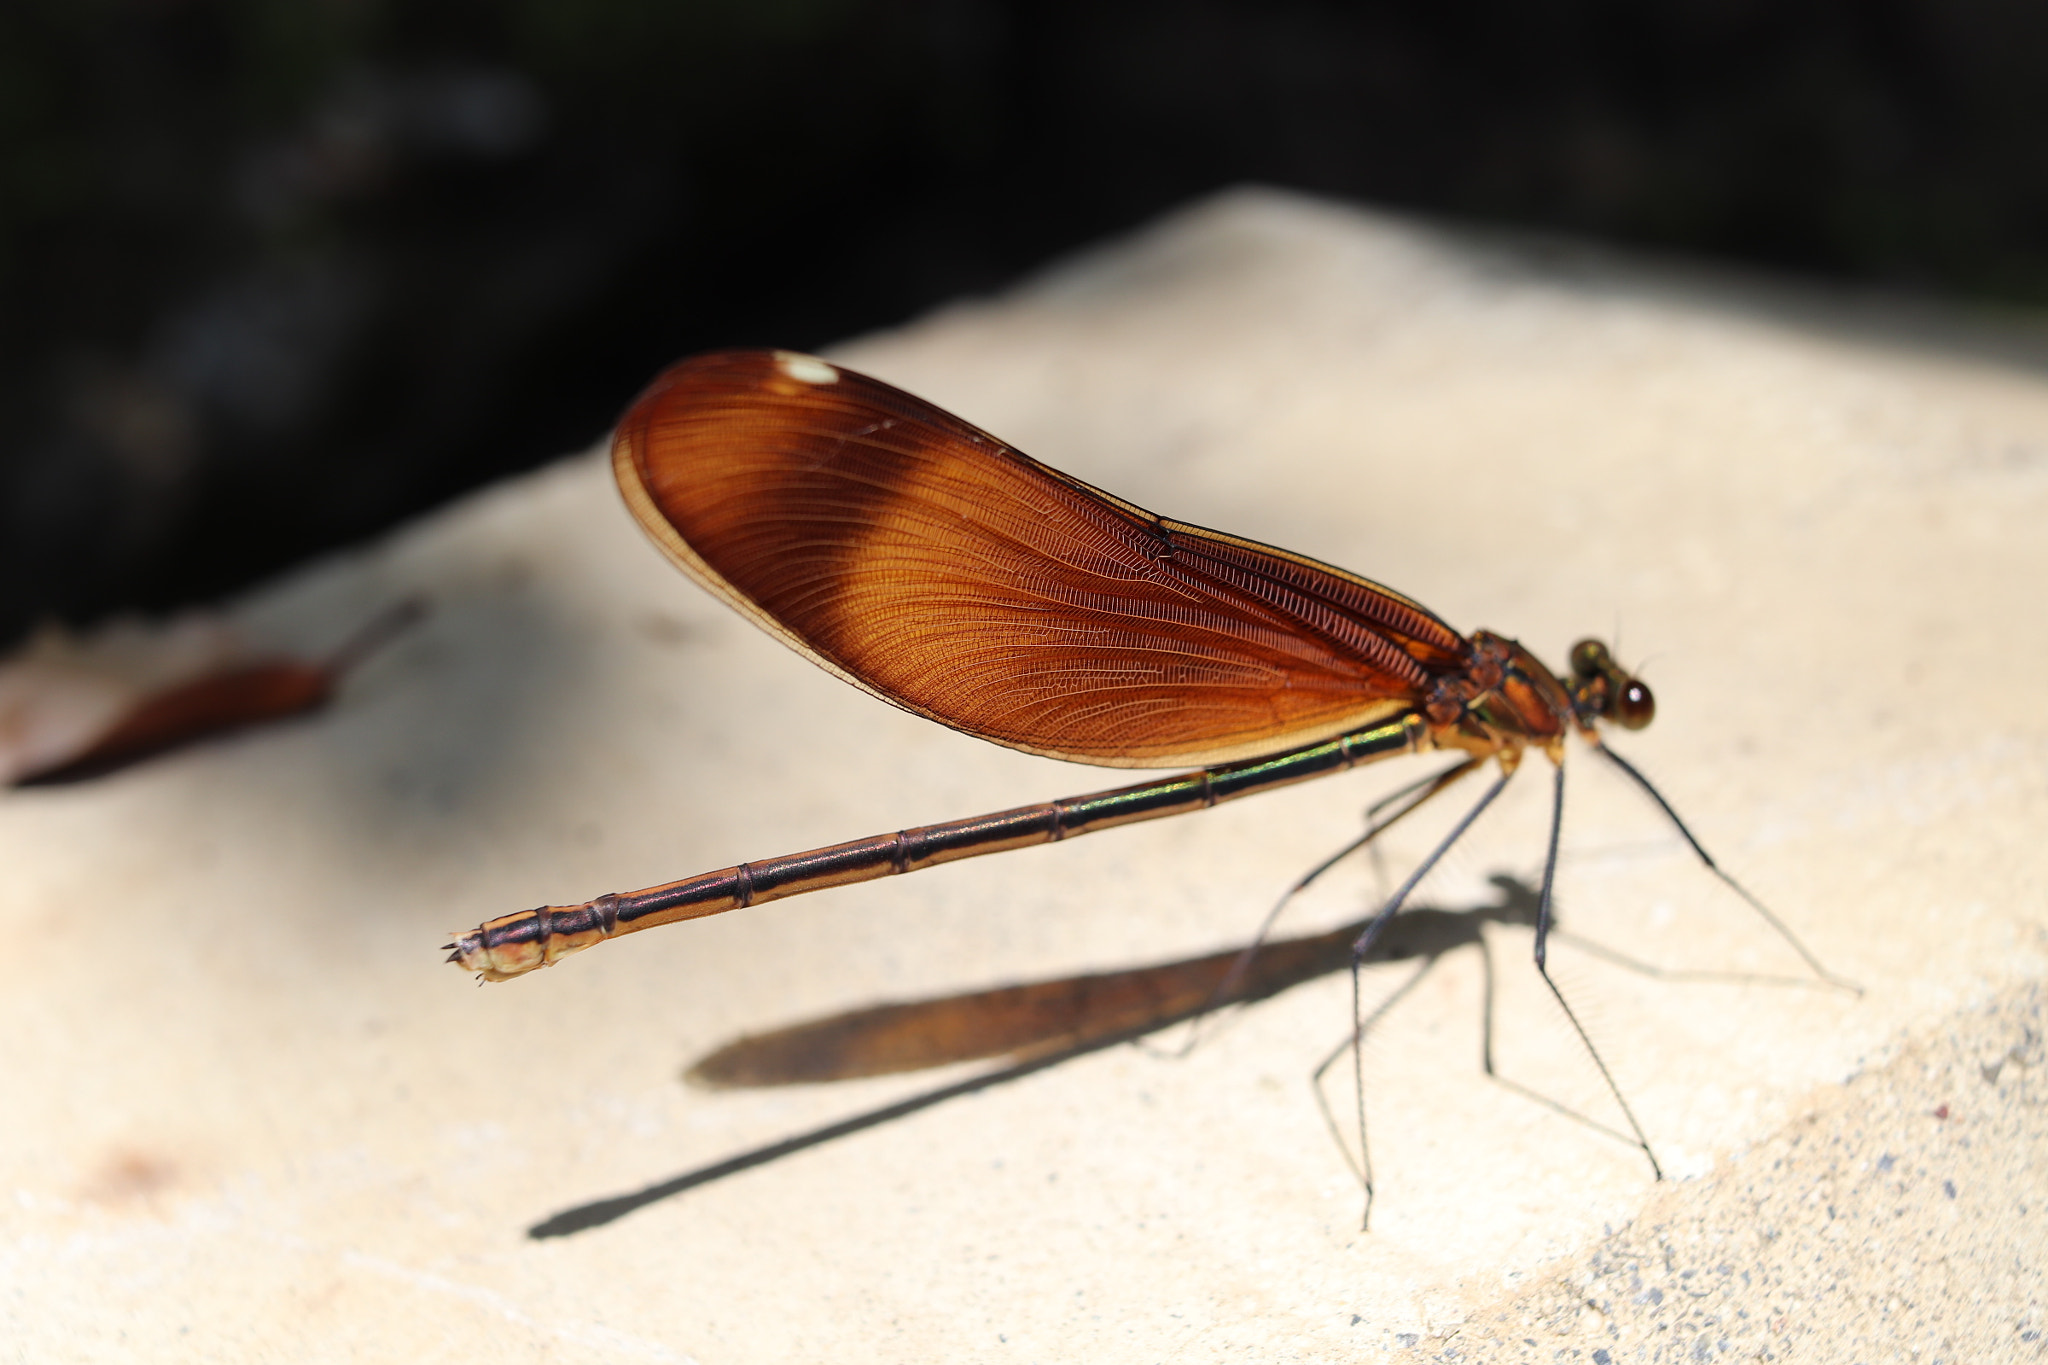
column 471, row 953
column 513, row 945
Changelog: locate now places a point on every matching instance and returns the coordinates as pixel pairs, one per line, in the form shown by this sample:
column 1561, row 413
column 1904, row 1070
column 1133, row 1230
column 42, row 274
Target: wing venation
column 930, row 564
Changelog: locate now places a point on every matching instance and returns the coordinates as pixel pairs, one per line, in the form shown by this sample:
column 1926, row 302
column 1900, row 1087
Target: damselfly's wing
column 928, row 563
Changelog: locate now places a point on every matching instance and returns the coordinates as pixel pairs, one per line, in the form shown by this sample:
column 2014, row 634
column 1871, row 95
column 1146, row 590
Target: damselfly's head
column 1602, row 689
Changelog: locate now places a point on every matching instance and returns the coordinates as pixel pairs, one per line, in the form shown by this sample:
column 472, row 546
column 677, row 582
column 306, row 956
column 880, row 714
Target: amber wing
column 928, row 563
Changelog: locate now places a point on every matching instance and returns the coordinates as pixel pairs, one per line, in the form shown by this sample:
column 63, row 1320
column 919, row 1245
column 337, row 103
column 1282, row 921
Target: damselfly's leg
column 1487, row 1016
column 1738, row 888
column 1405, row 800
column 1364, row 946
column 1543, row 916
column 1361, row 1164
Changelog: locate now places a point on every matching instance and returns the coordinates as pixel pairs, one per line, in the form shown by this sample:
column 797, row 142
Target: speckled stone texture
column 1876, row 1226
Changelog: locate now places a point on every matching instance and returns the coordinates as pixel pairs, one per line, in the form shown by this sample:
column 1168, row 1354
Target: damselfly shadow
column 1032, row 1027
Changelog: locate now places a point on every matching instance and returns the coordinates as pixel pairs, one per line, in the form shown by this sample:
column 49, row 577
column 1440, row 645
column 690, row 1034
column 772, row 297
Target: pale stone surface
column 249, row 1116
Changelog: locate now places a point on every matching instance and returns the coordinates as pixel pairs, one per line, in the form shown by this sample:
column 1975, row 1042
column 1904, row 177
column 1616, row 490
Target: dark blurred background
column 275, row 274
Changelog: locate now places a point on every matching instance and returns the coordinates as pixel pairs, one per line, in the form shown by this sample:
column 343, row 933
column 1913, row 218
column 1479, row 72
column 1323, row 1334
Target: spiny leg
column 1364, row 945
column 1493, row 1073
column 1737, row 887
column 1373, row 823
column 1543, row 911
column 1408, row 798
column 1361, row 1165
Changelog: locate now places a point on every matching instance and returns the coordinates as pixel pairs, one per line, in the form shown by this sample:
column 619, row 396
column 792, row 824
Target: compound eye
column 1589, row 659
column 1634, row 707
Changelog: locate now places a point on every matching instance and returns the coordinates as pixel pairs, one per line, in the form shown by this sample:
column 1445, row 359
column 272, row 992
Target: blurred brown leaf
column 74, row 708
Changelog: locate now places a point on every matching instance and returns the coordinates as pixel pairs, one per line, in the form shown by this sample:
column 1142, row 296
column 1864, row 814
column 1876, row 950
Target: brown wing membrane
column 928, row 563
